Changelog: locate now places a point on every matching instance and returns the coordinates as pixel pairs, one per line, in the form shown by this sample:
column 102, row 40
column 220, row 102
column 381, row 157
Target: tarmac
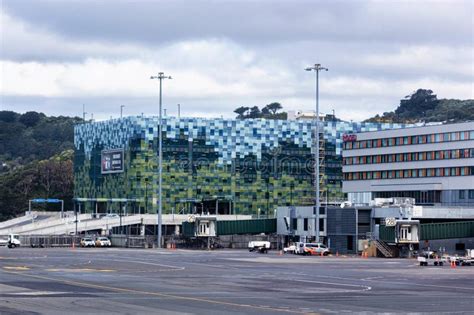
column 152, row 281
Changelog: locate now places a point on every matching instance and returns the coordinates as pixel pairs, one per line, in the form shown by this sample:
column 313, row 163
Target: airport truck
column 12, row 241
column 431, row 258
column 260, row 246
column 466, row 260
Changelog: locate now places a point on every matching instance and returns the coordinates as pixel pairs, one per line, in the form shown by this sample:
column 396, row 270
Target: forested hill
column 36, row 154
column 32, row 136
column 423, row 105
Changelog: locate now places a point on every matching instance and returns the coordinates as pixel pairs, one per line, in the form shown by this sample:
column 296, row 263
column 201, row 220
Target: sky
column 56, row 56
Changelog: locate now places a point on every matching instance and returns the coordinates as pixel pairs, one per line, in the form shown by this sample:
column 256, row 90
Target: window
column 294, row 224
column 461, row 194
column 305, row 224
column 471, row 194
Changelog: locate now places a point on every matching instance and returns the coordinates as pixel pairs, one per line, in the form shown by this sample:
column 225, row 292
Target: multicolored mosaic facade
column 249, row 165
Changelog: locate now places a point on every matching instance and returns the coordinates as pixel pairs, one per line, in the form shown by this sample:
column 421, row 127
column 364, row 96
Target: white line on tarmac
column 410, row 283
column 366, row 288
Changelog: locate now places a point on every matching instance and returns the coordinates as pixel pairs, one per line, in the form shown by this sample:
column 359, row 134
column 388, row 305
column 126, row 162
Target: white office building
column 433, row 164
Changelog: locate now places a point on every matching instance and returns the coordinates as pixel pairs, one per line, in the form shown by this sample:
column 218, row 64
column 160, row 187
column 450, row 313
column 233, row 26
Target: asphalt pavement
column 133, row 281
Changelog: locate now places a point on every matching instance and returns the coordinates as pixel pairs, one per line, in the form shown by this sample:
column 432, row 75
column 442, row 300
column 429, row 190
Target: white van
column 312, row 249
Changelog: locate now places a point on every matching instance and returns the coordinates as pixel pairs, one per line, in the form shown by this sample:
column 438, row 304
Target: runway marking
column 177, row 297
column 365, row 288
column 81, row 270
column 16, row 268
column 174, row 268
column 38, row 293
column 401, row 283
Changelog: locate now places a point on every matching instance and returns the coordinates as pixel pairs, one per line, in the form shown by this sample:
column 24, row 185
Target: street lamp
column 161, row 76
column 316, row 68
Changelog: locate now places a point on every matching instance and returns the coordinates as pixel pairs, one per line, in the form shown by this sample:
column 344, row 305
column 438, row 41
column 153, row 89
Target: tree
column 241, row 112
column 8, row 116
column 270, row 111
column 266, row 112
column 417, row 104
column 255, row 112
column 30, row 119
column 273, row 107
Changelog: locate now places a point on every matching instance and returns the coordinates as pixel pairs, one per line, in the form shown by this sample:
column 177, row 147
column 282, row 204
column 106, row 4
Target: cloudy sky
column 57, row 55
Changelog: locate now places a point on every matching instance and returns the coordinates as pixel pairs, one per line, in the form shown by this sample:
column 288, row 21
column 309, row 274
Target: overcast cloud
column 57, row 55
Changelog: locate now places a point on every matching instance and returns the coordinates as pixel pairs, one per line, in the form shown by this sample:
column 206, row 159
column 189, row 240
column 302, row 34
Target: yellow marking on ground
column 81, row 270
column 172, row 296
column 16, row 268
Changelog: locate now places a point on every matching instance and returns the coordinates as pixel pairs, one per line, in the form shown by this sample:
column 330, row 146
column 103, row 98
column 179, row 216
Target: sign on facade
column 349, row 138
column 112, row 161
column 390, row 221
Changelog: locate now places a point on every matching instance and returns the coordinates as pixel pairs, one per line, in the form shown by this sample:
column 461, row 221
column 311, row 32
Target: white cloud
column 214, row 75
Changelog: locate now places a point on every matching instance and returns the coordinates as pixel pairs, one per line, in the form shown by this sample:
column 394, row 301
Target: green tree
column 255, row 112
column 241, row 112
column 274, row 107
column 30, row 119
column 8, row 116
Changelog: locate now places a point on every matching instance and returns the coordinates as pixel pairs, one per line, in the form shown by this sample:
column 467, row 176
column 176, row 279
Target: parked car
column 103, row 242
column 312, row 249
column 290, row 249
column 87, row 242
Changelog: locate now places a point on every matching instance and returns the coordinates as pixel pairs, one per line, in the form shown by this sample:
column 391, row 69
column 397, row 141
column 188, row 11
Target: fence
column 48, row 240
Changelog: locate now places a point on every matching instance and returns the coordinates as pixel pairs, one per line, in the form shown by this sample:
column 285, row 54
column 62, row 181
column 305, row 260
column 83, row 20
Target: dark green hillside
column 423, row 105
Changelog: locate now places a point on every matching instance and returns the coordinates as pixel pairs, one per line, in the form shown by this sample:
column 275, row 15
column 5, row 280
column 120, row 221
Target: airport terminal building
column 222, row 166
column 433, row 164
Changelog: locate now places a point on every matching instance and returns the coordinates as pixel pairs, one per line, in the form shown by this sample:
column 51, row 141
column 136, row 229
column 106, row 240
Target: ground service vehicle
column 13, row 241
column 312, row 249
column 466, row 260
column 102, row 242
column 431, row 258
column 87, row 242
column 260, row 246
column 290, row 249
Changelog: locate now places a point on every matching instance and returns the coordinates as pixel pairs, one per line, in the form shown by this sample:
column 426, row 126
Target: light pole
column 161, row 76
column 84, row 113
column 316, row 68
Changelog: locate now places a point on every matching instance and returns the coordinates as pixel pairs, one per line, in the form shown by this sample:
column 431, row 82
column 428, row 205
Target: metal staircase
column 384, row 248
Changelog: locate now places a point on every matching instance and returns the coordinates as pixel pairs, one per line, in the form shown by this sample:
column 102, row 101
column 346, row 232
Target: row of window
column 415, row 173
column 462, row 194
column 410, row 157
column 407, row 140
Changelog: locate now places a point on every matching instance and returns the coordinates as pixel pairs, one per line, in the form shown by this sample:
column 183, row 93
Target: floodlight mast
column 316, row 68
column 161, row 76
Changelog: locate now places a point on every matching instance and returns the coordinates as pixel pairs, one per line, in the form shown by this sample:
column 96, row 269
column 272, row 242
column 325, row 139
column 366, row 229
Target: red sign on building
column 349, row 138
